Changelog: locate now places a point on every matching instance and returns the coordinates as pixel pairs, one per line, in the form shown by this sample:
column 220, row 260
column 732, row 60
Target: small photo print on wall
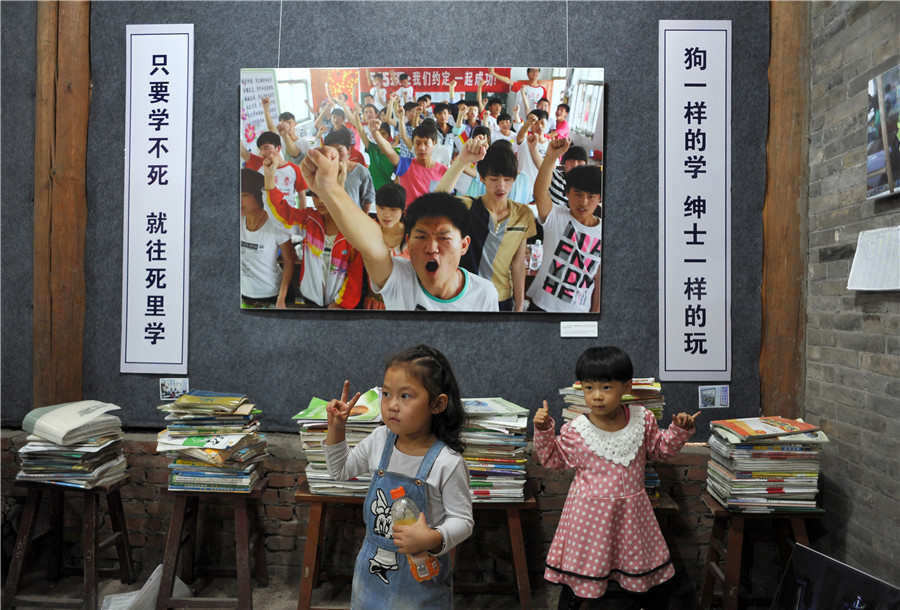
column 414, row 188
column 170, row 388
column 713, row 396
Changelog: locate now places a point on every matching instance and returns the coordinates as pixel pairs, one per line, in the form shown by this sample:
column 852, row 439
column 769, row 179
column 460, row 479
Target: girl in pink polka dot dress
column 607, row 530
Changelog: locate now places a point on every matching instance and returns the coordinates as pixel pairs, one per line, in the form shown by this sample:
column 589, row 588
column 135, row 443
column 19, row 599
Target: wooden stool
column 315, row 535
column 730, row 525
column 183, row 533
column 90, row 539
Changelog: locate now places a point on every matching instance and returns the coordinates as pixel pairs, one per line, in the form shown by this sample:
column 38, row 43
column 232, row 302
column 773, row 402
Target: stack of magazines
column 213, row 442
column 495, row 449
column 76, row 444
column 313, row 422
column 764, row 464
column 645, row 391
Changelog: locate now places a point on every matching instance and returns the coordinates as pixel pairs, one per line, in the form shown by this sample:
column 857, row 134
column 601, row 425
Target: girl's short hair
column 607, row 363
column 391, row 195
column 432, row 369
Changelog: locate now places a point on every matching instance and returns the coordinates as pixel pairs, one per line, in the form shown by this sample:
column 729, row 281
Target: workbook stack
column 495, row 449
column 313, row 421
column 213, row 442
column 76, row 444
column 764, row 464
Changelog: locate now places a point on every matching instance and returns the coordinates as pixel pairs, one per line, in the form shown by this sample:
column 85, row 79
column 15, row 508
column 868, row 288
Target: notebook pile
column 212, row 442
column 76, row 444
column 764, row 464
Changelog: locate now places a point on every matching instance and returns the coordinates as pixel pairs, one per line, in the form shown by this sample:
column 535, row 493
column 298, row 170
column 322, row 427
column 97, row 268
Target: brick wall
column 853, row 338
column 285, row 523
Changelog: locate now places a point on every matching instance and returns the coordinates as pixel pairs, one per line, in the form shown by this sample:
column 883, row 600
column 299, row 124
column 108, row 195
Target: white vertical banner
column 695, row 200
column 156, row 245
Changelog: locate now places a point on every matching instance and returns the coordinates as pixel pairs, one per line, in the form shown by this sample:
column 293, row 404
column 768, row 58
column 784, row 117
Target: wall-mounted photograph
column 414, row 188
column 882, row 144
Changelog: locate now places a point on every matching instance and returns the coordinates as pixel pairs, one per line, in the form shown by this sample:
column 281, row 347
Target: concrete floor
column 281, row 595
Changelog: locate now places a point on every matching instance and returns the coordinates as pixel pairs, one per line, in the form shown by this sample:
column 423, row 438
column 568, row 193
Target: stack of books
column 764, row 464
column 213, row 442
column 313, row 422
column 645, row 391
column 76, row 444
column 495, row 449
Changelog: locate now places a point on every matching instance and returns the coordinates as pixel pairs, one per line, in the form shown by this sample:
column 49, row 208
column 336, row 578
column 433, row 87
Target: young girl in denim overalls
column 418, row 449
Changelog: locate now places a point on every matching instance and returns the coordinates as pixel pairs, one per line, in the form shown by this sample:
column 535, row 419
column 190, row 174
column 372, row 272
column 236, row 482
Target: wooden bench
column 315, row 535
column 182, row 533
column 90, row 540
column 726, row 547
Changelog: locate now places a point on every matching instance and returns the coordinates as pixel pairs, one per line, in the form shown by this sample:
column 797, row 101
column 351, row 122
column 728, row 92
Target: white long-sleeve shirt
column 449, row 507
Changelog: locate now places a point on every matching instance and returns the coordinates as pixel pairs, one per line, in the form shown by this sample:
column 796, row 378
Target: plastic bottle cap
column 397, row 492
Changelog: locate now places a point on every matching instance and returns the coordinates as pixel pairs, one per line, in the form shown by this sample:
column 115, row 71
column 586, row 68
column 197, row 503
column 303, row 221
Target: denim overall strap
column 382, row 577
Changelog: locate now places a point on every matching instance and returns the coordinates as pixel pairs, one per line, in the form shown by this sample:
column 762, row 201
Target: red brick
column 285, row 465
column 556, row 488
column 282, row 480
column 689, row 490
column 286, row 496
column 158, row 477
column 134, row 508
column 157, row 542
column 140, row 492
column 136, row 539
column 140, row 447
column 270, row 496
column 147, row 461
column 555, row 503
column 281, row 543
column 163, row 509
column 285, row 513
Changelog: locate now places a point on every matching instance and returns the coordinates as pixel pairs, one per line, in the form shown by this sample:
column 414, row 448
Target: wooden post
column 62, row 103
column 783, row 353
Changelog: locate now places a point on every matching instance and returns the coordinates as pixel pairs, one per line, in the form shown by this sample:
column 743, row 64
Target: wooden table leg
column 259, row 548
column 123, row 545
column 733, row 562
column 20, row 553
column 242, row 553
column 520, row 564
column 91, row 541
column 188, row 538
column 798, row 529
column 315, row 532
column 170, row 559
column 56, row 505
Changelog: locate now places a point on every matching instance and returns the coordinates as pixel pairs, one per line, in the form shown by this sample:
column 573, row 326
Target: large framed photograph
column 882, row 144
column 417, row 188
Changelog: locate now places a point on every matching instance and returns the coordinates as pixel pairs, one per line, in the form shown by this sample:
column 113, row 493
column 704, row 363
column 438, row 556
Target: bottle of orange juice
column 405, row 512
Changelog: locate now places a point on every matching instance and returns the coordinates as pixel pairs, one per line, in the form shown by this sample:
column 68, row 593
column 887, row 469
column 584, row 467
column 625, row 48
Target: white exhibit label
column 156, row 244
column 695, row 200
column 578, row 329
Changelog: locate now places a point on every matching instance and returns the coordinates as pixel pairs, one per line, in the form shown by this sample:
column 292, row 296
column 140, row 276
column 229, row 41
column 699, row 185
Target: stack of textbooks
column 764, row 464
column 76, row 444
column 645, row 391
column 313, row 422
column 495, row 449
column 213, row 442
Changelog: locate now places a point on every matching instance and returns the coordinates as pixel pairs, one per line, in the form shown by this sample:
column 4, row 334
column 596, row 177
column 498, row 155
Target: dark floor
column 282, row 595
